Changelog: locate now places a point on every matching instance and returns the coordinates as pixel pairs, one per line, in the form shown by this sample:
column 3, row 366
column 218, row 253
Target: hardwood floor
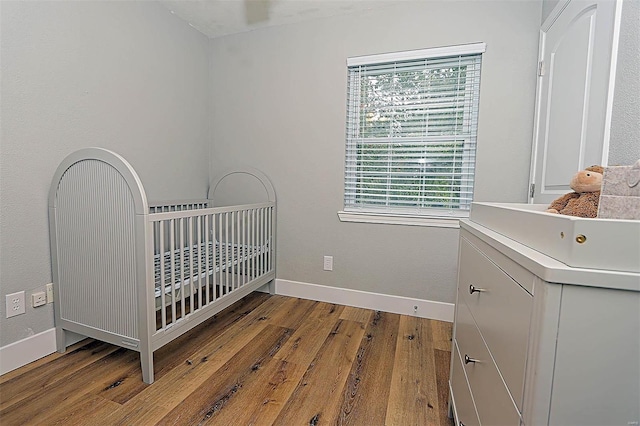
column 267, row 360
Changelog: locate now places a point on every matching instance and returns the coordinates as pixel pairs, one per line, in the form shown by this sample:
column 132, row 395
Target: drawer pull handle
column 473, row 289
column 467, row 360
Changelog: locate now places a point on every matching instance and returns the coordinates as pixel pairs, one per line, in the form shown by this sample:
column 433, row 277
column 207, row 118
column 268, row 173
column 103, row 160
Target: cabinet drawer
column 465, row 410
column 502, row 311
column 492, row 399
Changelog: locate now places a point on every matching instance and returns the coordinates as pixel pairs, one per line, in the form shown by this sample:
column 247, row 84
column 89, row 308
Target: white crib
column 138, row 275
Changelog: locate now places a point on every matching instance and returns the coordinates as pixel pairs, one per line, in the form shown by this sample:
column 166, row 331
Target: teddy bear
column 584, row 201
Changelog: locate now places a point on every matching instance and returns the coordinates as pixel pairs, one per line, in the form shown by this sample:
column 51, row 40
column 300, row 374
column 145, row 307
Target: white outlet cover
column 49, row 290
column 38, row 299
column 328, row 263
column 15, row 304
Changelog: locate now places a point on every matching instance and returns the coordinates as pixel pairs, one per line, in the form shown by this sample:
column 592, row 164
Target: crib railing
column 204, row 254
column 175, row 206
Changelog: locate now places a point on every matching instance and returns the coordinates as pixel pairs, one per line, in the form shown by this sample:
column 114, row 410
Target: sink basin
column 609, row 244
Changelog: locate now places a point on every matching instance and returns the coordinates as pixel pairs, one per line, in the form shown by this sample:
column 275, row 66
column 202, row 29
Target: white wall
column 127, row 76
column 279, row 105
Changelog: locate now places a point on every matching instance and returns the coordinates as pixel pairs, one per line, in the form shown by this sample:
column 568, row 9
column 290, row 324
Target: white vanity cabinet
column 537, row 342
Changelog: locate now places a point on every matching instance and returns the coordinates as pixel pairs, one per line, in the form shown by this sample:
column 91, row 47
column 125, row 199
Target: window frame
column 389, row 215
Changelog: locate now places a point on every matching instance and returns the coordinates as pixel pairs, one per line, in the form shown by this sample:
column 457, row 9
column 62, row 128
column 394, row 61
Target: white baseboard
column 27, row 350
column 361, row 299
column 32, row 348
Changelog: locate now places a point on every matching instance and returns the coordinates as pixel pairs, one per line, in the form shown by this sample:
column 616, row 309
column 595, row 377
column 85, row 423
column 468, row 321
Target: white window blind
column 412, row 120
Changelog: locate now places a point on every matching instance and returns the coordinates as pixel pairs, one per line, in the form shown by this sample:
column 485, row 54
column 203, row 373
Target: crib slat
column 239, row 250
column 181, row 257
column 194, row 303
column 261, row 246
column 234, row 249
column 219, row 255
column 162, row 276
column 247, row 241
column 264, row 241
column 207, row 248
column 226, row 248
column 259, row 242
column 214, row 262
column 198, row 273
column 232, row 255
column 269, row 238
column 244, row 244
column 172, row 266
column 213, row 257
column 250, row 243
column 247, row 236
column 255, row 242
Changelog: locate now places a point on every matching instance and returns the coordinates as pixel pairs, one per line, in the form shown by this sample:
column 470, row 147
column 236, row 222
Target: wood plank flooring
column 267, row 360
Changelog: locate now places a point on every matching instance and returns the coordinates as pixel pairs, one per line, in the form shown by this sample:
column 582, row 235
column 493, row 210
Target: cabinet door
column 578, row 52
column 596, row 378
column 464, row 407
column 502, row 312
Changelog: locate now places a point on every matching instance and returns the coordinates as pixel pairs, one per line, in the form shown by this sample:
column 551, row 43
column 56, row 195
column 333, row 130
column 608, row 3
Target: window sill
column 390, row 219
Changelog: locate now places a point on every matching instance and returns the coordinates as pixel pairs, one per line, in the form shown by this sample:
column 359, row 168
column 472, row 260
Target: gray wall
column 279, row 105
column 127, row 76
column 624, row 145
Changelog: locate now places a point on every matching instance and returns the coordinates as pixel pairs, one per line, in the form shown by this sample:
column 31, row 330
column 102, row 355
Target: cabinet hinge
column 532, row 190
column 541, row 68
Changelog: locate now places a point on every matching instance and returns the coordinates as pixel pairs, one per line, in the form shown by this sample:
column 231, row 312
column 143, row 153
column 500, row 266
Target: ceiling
column 216, row 18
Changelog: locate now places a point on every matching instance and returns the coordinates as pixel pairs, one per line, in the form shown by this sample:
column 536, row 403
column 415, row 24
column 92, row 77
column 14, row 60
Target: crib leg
column 272, row 287
column 146, row 362
column 61, row 340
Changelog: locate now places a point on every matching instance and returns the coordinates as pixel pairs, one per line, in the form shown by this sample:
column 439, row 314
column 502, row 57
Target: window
column 412, row 120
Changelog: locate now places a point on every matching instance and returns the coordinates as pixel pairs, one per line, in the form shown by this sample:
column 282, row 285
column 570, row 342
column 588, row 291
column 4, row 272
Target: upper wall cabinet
column 578, row 50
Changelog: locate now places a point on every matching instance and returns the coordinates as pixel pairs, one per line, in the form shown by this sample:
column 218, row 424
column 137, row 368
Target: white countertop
column 550, row 269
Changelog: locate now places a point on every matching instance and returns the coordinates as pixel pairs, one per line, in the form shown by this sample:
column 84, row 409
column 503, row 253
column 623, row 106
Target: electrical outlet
column 15, row 304
column 50, row 293
column 38, row 299
column 328, row 263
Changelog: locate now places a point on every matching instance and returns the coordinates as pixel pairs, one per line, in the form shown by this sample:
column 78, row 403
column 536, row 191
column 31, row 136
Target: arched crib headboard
column 109, row 159
column 246, row 181
column 97, row 210
column 247, row 186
